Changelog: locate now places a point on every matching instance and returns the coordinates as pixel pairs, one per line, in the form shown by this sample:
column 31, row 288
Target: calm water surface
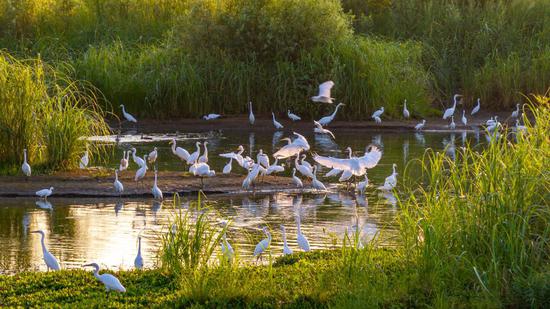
column 106, row 230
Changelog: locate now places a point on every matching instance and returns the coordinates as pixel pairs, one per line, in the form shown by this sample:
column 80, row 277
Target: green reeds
column 45, row 113
column 482, row 222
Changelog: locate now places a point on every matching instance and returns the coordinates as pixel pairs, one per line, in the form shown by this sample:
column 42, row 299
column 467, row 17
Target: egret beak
column 35, row 231
column 86, row 265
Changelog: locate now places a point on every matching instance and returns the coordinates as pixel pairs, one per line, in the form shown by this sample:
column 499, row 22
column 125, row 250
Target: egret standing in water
column 140, row 173
column 138, row 262
column 420, row 126
column 376, row 115
column 157, row 193
column 85, row 159
column 476, row 108
column 450, row 111
column 119, row 188
column 296, row 180
column 286, row 249
column 464, row 119
column 515, row 114
column 204, row 157
column 278, row 125
column 325, row 121
column 49, row 259
column 251, row 118
column 303, row 243
column 362, row 185
column 228, row 166
column 319, row 129
column 25, row 167
column 263, row 245
column 324, row 93
column 318, row 185
column 391, row 181
column 153, row 155
column 128, row 116
column 452, row 125
column 293, row 116
column 111, row 282
column 124, row 160
column 44, row 193
column 406, row 113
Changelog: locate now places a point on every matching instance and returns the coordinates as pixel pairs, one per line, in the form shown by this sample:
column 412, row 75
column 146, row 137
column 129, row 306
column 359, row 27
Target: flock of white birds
column 351, row 170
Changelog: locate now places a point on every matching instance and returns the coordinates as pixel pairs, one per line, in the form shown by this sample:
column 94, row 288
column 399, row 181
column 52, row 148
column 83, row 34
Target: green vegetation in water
column 46, row 113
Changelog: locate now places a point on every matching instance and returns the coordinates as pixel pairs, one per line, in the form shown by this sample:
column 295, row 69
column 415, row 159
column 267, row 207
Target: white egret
column 325, row 121
column 157, row 193
column 333, row 172
column 324, row 93
column 49, row 259
column 138, row 261
column 195, row 155
column 228, row 166
column 464, row 119
column 391, row 181
column 44, row 193
column 262, row 159
column 119, row 188
column 252, row 175
column 127, row 116
column 84, row 160
column 204, row 157
column 304, row 162
column 137, row 160
column 356, row 166
column 124, row 161
column 303, row 169
column 274, row 168
column 319, row 129
column 286, row 249
column 263, row 245
column 140, row 173
column 153, row 155
column 493, row 126
column 492, row 121
column 406, row 113
column 318, row 185
column 25, row 167
column 450, row 111
column 452, row 125
column 211, row 116
column 227, row 250
column 377, row 119
column 178, row 151
column 202, row 170
column 251, row 118
column 519, row 127
column 294, row 148
column 515, row 114
column 296, row 180
column 378, row 113
column 420, row 125
column 362, row 185
column 277, row 124
column 476, row 108
column 293, row 116
column 303, row 243
column 237, row 156
column 111, row 282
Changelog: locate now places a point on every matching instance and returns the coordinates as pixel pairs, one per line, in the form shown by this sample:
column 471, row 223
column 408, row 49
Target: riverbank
column 99, row 183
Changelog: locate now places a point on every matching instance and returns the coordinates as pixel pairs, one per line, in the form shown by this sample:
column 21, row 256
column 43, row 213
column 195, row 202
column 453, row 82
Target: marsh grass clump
column 482, row 222
column 46, row 113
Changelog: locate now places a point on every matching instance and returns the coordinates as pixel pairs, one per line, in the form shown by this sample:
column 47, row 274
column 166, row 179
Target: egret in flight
column 44, row 193
column 25, row 167
column 251, row 118
column 354, row 166
column 263, row 245
column 320, row 130
column 293, row 116
column 138, row 262
column 293, row 148
column 127, row 116
column 476, row 108
column 450, row 111
column 286, row 249
column 420, row 126
column 276, row 124
column 111, row 282
column 325, row 121
column 49, row 259
column 324, row 93
column 406, row 113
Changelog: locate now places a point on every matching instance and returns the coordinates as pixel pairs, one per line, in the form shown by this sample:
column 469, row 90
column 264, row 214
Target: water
column 105, row 230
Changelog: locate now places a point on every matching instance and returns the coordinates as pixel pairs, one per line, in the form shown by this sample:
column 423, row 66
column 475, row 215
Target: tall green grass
column 46, row 113
column 482, row 222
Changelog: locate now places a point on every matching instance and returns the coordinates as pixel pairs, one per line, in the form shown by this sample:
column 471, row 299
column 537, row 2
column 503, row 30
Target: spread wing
column 371, row 158
column 324, row 88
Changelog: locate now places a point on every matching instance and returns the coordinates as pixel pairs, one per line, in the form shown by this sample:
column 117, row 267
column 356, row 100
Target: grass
column 46, row 113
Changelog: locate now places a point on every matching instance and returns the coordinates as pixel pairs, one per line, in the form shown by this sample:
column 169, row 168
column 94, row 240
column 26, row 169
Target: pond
column 105, row 230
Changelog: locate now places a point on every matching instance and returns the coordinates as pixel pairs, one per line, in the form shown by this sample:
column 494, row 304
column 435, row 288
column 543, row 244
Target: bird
column 377, row 119
column 252, row 175
column 519, row 127
column 227, row 250
column 406, row 113
column 178, row 151
column 263, row 245
column 124, row 161
column 277, row 124
column 324, row 93
column 293, row 116
column 296, row 180
column 195, row 155
column 325, row 121
column 515, row 114
column 305, row 163
column 111, row 282
column 362, row 185
column 140, row 173
column 237, row 156
column 227, row 167
column 204, row 157
column 25, row 167
column 262, row 159
column 354, row 166
column 293, row 148
column 85, row 159
column 138, row 261
column 319, row 129
column 274, row 168
column 286, row 249
column 127, row 116
column 303, row 243
column 420, row 125
column 303, row 169
column 391, row 181
column 450, row 111
column 152, row 157
column 251, row 118
column 378, row 113
column 318, row 185
column 464, row 119
column 44, row 193
column 137, row 160
column 157, row 193
column 452, row 125
column 202, row 170
column 492, row 121
column 211, row 116
column 476, row 108
column 119, row 188
column 49, row 259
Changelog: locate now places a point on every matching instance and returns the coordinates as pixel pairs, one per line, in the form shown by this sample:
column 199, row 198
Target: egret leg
column 202, row 183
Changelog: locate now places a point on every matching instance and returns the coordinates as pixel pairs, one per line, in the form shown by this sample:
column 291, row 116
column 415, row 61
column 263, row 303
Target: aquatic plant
column 46, row 113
